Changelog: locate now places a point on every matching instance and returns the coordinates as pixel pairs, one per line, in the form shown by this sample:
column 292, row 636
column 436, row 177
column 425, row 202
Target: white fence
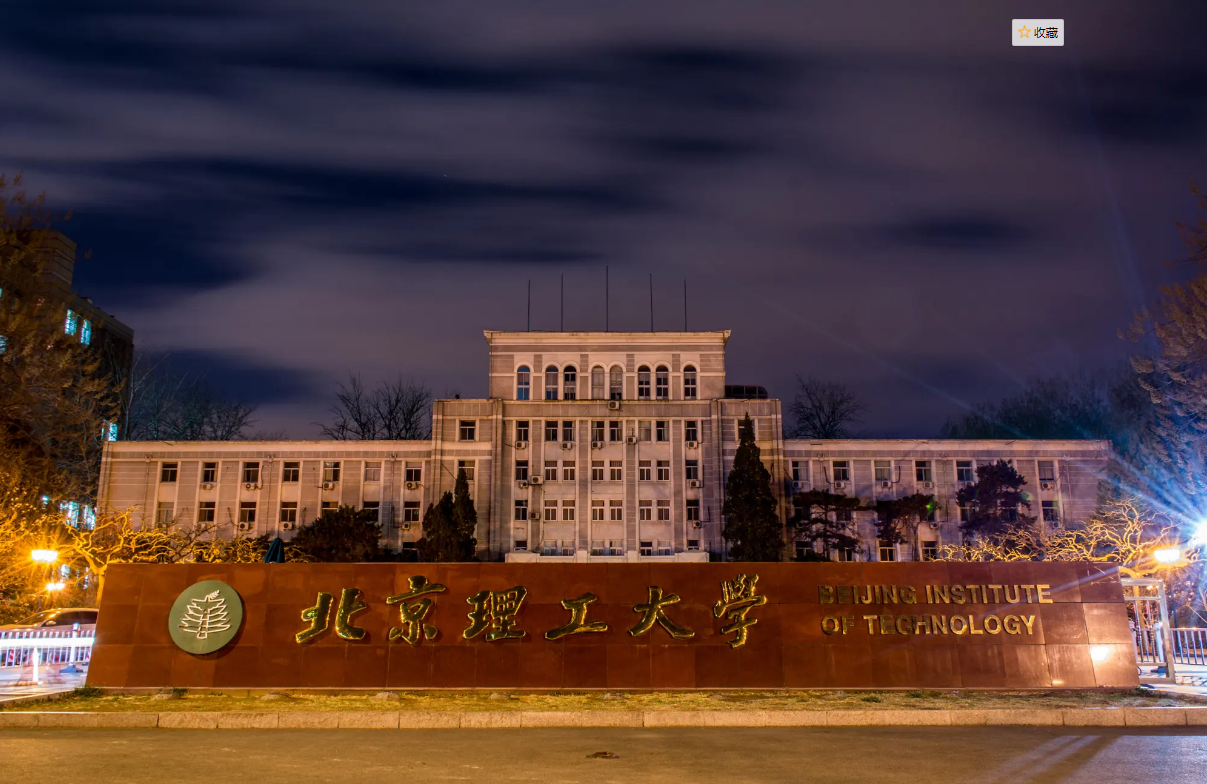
column 44, row 647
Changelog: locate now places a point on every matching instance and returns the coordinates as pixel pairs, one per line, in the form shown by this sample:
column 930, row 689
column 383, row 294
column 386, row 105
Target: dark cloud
column 246, row 379
column 968, row 232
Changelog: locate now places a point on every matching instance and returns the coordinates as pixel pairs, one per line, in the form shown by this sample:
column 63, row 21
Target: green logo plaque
column 205, row 617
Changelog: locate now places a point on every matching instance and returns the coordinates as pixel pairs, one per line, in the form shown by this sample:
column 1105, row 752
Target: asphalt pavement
column 990, row 755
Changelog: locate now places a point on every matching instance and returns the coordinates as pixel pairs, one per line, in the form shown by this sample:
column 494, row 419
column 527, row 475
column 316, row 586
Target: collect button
column 1037, row 32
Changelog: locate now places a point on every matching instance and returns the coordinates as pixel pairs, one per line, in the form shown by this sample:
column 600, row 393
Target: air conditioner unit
column 841, row 484
column 613, row 405
column 412, row 485
column 693, row 444
column 1047, row 485
column 244, row 526
column 523, row 484
column 597, row 444
column 287, row 526
column 328, row 485
column 567, row 445
column 694, row 483
column 631, row 440
column 406, row 526
column 536, row 480
column 886, row 485
column 929, row 485
column 535, row 514
column 697, row 524
column 250, row 486
column 521, row 444
column 207, row 485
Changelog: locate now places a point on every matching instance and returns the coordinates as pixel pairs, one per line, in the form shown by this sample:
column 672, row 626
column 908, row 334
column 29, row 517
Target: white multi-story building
column 590, row 445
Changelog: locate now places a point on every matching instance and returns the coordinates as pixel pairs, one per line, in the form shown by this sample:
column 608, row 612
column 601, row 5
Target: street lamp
column 1167, row 556
column 44, row 556
column 52, row 587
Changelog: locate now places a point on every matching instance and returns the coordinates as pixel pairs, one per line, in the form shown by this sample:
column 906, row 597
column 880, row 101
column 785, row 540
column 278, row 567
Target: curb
column 416, row 720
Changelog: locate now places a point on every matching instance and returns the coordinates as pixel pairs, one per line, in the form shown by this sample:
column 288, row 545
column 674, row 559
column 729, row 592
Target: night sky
column 886, row 194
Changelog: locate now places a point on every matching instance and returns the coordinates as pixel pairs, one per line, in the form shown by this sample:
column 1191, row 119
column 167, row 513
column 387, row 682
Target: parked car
column 63, row 619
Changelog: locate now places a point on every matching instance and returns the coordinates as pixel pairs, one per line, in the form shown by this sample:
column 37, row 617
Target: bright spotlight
column 52, row 587
column 1167, row 555
column 1200, row 534
column 1100, row 653
column 44, row 556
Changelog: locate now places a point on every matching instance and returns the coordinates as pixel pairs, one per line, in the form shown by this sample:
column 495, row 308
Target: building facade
column 589, row 446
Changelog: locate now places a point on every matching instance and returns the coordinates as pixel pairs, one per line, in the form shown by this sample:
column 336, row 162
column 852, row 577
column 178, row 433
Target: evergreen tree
column 448, row 527
column 994, row 501
column 343, row 535
column 824, row 518
column 897, row 519
column 752, row 526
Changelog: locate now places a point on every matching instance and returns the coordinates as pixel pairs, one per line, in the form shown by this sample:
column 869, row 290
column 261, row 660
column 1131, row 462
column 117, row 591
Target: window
column 930, row 551
column 662, row 430
column 597, row 383
column 521, row 431
column 327, row 506
column 883, row 470
column 410, row 511
column 691, row 470
column 550, row 509
column 466, row 432
column 964, row 471
column 247, row 512
column 290, row 471
column 843, row 515
column 662, row 383
column 597, row 510
column 568, row 431
column 372, row 511
column 597, row 430
column 551, row 383
column 289, row 511
column 568, row 510
column 86, row 332
column 521, row 511
column 645, row 510
column 888, row 551
column 521, row 545
column 643, row 383
column 643, row 470
column 568, row 471
column 615, row 431
column 468, row 467
column 965, row 513
column 167, row 472
column 693, row 510
column 1011, row 514
column 842, row 471
column 615, row 470
column 550, row 430
column 413, row 473
column 922, row 471
column 616, row 510
column 206, row 511
column 691, row 431
column 647, row 548
column 330, row 471
column 796, row 471
column 373, row 471
column 845, row 553
column 664, row 470
column 550, row 470
column 1047, row 471
column 251, row 472
column 109, row 432
column 615, row 383
column 643, row 430
column 523, row 383
column 597, row 470
column 72, row 321
column 664, row 511
column 689, row 383
column 1051, row 513
column 521, row 470
column 570, row 383
column 693, row 544
column 164, row 512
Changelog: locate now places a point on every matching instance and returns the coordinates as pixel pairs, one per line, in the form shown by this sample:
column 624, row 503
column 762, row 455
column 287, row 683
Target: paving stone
column 368, row 720
column 1155, row 717
column 580, row 718
column 429, row 720
column 1196, row 717
column 1040, row 717
column 1093, row 717
column 189, row 720
column 248, row 720
column 888, row 718
column 307, row 720
column 18, row 719
column 122, row 720
column 73, row 719
column 490, row 719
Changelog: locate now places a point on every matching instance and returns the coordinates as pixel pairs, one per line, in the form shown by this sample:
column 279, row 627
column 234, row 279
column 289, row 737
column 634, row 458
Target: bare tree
column 393, row 410
column 167, row 404
column 824, row 409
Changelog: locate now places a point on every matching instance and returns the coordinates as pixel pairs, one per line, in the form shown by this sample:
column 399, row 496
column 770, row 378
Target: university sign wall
column 614, row 626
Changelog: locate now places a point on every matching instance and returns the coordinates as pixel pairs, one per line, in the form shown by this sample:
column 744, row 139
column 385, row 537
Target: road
column 993, row 755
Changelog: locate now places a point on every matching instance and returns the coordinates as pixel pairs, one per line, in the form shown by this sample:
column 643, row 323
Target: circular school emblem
column 205, row 617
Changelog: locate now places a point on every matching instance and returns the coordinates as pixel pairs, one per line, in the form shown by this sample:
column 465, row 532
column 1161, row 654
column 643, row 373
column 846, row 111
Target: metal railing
column 40, row 647
column 1189, row 646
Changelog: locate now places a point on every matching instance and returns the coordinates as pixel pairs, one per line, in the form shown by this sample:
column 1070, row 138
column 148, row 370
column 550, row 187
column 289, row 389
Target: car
column 62, row 619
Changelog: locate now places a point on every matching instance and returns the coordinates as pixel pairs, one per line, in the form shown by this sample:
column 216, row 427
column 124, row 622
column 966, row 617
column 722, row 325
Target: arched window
column 523, row 383
column 662, row 382
column 551, row 383
column 570, row 383
column 616, row 383
column 597, row 383
column 689, row 383
column 643, row 383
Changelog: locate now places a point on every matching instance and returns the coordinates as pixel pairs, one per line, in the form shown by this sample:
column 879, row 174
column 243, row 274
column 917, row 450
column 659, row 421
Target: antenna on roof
column 685, row 304
column 561, row 323
column 606, row 303
column 651, row 302
column 530, row 304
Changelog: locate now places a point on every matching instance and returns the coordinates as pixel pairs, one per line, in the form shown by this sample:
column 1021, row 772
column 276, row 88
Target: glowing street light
column 1200, row 534
column 52, row 587
column 44, row 556
column 1167, row 555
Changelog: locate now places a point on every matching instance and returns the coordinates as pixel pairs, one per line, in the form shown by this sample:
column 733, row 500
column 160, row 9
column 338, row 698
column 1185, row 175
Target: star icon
column 1024, row 32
